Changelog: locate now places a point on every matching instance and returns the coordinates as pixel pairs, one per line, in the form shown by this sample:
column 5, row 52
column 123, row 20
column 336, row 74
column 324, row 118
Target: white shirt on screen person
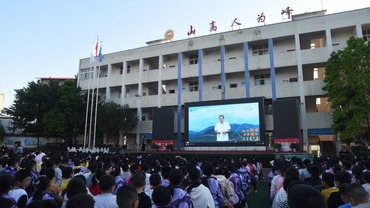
column 222, row 129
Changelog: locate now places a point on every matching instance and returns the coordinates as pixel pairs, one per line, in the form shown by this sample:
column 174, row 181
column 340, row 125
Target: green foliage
column 294, row 146
column 30, row 105
column 277, row 146
column 348, row 85
column 2, row 131
column 154, row 146
column 113, row 118
column 170, row 147
column 48, row 109
column 66, row 118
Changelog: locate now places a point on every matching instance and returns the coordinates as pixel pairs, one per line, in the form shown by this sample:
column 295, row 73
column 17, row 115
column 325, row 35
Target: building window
column 121, row 70
column 218, row 87
column 128, row 70
column 294, row 79
column 193, row 86
column 143, row 118
column 171, row 91
column 193, row 59
column 366, row 34
column 243, row 84
column 262, row 79
column 260, row 50
column 234, row 85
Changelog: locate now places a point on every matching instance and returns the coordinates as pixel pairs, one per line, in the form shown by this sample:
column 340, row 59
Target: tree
column 348, row 85
column 113, row 118
column 66, row 118
column 30, row 105
column 2, row 131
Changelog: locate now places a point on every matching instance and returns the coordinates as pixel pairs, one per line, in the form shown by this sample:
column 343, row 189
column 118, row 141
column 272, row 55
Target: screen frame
column 259, row 100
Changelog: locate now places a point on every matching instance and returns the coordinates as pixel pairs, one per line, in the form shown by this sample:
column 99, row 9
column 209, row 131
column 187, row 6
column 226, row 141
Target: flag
column 100, row 54
column 97, row 47
column 92, row 59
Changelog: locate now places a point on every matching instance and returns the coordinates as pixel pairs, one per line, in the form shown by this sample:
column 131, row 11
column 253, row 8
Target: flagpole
column 87, row 106
column 92, row 107
column 100, row 58
column 88, row 95
column 96, row 105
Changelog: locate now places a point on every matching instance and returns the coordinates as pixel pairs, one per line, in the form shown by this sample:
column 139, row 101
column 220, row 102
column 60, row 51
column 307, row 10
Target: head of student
column 80, row 200
column 107, row 183
column 356, row 194
column 304, row 196
column 127, row 197
column 161, row 196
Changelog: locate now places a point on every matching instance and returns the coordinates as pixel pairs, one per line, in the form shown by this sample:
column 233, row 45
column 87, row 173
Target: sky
column 201, row 117
column 44, row 38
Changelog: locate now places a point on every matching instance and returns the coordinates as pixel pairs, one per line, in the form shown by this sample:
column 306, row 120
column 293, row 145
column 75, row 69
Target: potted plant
column 277, row 147
column 169, row 147
column 294, row 146
column 154, row 146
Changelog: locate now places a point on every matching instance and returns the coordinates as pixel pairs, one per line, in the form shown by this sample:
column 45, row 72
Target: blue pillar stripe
column 200, row 74
column 272, row 68
column 246, row 70
column 179, row 89
column 223, row 78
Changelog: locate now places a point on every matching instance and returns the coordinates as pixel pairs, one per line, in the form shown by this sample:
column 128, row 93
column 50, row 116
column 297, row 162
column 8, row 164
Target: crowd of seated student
column 57, row 179
column 323, row 182
column 61, row 179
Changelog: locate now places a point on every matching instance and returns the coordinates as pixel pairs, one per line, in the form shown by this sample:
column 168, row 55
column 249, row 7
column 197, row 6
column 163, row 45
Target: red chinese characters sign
column 286, row 140
column 191, row 31
column 287, row 11
column 162, row 143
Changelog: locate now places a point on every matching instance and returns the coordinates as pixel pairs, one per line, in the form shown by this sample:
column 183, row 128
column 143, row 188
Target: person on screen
column 222, row 129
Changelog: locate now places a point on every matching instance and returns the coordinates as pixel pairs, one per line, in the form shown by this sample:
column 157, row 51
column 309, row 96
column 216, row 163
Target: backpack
column 246, row 181
column 10, row 199
column 119, row 184
column 185, row 199
column 237, row 183
column 229, row 191
column 252, row 170
column 217, row 194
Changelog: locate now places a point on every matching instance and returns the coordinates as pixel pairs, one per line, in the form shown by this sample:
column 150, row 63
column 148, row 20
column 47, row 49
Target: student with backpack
column 252, row 170
column 200, row 195
column 116, row 173
column 227, row 188
column 236, row 180
column 6, row 183
column 213, row 185
column 180, row 197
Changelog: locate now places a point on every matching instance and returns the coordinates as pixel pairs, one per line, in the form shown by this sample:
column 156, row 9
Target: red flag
column 97, row 47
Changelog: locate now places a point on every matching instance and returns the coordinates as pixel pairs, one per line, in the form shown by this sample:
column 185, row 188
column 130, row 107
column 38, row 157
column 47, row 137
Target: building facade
column 283, row 60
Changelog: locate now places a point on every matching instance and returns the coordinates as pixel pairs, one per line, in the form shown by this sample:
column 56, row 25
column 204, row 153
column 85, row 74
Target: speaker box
column 286, row 118
column 163, row 123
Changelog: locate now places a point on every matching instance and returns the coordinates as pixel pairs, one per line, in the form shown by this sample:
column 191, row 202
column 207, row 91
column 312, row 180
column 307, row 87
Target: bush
column 169, row 147
column 294, row 146
column 154, row 146
column 277, row 146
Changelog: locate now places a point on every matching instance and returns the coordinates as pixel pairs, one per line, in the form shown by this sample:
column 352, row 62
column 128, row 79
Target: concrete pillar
column 359, row 31
column 105, row 139
column 109, row 73
column 329, row 42
column 121, row 139
column 139, row 111
column 301, row 92
column 160, row 69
